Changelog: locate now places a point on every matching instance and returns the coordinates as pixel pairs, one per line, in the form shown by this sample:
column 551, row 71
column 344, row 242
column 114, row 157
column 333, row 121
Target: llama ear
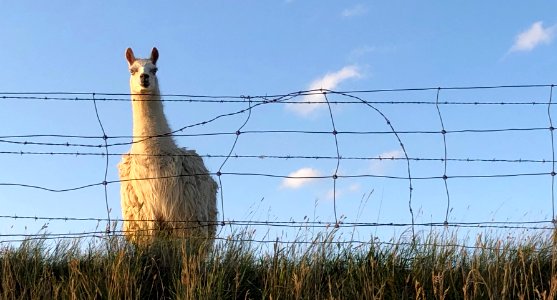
column 154, row 55
column 129, row 56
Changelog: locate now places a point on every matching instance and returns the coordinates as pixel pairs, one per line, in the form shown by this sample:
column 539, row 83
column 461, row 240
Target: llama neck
column 149, row 120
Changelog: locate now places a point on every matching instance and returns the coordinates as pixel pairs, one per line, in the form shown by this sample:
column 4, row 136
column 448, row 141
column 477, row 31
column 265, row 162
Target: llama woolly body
column 165, row 190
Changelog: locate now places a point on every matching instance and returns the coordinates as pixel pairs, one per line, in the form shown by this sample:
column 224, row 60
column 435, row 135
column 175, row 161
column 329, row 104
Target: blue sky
column 277, row 47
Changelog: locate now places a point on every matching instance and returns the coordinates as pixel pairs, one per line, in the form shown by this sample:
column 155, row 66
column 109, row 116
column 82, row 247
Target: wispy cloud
column 379, row 166
column 299, row 178
column 332, row 194
column 361, row 51
column 357, row 10
column 328, row 82
column 534, row 36
column 332, row 80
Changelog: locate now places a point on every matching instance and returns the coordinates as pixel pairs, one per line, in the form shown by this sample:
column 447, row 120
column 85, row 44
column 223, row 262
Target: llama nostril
column 144, row 76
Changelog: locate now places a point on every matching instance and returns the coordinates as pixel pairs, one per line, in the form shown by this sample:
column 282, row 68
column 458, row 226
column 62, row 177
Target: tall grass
column 430, row 267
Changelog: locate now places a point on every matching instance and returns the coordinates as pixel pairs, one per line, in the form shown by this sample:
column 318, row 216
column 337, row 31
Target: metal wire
column 106, row 141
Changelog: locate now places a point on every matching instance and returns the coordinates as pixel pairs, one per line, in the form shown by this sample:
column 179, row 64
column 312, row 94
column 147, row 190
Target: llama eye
column 154, row 70
column 132, row 71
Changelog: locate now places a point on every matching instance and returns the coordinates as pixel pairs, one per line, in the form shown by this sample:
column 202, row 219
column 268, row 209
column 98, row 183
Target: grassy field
column 431, row 267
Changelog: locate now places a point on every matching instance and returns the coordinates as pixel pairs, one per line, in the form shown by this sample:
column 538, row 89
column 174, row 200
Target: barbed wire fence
column 102, row 144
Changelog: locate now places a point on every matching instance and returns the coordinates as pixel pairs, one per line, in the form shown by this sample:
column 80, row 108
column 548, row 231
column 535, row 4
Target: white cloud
column 300, row 178
column 328, row 82
column 355, row 187
column 379, row 166
column 332, row 194
column 533, row 37
column 353, row 11
column 331, row 80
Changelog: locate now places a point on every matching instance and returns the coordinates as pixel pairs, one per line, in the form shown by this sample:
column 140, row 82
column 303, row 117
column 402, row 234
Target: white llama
column 165, row 190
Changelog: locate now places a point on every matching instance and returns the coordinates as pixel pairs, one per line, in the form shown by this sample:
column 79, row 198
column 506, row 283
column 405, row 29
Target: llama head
column 143, row 78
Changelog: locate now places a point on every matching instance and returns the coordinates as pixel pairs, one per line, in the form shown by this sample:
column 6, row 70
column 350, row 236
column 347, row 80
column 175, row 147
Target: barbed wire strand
column 302, row 93
column 533, row 224
column 291, row 156
column 233, row 101
column 214, row 100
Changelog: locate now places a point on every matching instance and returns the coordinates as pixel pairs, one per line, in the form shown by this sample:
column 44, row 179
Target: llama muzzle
column 144, row 80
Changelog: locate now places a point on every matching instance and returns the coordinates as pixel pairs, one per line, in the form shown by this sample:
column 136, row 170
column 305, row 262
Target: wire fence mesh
column 465, row 138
